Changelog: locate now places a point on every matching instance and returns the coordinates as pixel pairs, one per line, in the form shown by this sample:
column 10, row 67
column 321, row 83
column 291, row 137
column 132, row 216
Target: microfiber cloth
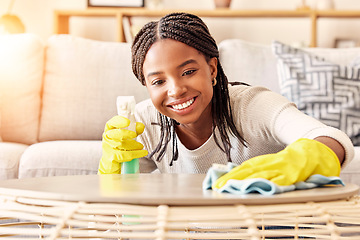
column 260, row 185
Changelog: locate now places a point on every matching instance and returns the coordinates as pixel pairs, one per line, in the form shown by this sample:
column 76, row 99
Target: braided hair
column 192, row 31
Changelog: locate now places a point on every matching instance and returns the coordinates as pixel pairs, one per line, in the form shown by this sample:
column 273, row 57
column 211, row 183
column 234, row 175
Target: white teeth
column 183, row 105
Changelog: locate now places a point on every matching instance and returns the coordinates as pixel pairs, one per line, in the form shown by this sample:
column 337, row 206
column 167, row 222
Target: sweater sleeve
column 270, row 117
column 291, row 124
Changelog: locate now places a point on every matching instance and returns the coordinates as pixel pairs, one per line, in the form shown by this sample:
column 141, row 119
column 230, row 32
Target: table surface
column 155, row 189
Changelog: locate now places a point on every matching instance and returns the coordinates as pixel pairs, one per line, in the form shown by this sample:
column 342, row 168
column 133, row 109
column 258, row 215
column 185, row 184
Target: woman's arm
column 334, row 145
column 291, row 124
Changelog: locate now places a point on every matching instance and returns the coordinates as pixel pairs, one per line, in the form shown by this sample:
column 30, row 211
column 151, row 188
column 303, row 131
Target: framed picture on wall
column 115, row 3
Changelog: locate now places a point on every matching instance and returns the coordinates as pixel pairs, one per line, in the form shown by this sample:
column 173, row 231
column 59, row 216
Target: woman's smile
column 183, row 105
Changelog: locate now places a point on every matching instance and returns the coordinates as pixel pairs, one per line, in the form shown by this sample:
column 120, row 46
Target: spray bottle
column 126, row 108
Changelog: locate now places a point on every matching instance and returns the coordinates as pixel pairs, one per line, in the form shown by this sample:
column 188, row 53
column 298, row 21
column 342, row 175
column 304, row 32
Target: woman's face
column 179, row 81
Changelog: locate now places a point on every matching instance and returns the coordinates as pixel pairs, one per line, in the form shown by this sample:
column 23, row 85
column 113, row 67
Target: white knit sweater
column 266, row 120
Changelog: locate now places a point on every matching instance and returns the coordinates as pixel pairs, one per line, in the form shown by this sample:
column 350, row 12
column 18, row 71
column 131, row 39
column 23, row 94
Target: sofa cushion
column 249, row 62
column 256, row 64
column 0, row 119
column 10, row 154
column 82, row 79
column 351, row 173
column 324, row 90
column 60, row 158
column 21, row 71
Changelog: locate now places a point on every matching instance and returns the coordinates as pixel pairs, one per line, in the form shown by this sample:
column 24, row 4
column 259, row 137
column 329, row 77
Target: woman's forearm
column 334, row 145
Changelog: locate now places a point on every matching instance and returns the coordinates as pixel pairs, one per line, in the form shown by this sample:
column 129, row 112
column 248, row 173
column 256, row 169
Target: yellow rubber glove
column 119, row 145
column 297, row 162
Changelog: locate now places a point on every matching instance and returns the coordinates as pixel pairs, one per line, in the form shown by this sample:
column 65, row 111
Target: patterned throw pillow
column 326, row 91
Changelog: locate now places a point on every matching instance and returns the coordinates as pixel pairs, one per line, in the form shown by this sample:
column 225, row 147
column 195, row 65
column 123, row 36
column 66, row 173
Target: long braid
column 192, row 31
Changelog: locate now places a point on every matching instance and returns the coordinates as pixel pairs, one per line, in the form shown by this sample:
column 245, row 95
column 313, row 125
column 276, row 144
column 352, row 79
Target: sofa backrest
column 82, row 79
column 256, row 64
column 21, row 71
column 249, row 62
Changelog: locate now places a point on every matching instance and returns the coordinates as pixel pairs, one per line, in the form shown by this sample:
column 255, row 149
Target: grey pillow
column 324, row 90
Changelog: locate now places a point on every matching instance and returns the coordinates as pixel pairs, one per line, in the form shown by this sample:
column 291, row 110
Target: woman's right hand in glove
column 119, row 145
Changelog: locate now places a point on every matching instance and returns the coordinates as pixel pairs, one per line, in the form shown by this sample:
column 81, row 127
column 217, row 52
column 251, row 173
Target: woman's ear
column 213, row 66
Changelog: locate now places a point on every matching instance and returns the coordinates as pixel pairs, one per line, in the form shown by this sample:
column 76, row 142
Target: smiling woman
column 179, row 80
column 183, row 89
column 195, row 118
column 188, row 61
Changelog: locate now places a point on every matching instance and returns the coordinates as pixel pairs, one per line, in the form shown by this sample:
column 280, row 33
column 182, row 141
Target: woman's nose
column 176, row 89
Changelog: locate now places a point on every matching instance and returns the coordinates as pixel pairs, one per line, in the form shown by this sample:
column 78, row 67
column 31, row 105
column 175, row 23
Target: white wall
column 38, row 18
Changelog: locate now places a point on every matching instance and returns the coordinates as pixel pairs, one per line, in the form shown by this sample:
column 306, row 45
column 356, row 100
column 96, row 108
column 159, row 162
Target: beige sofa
column 56, row 96
column 55, row 100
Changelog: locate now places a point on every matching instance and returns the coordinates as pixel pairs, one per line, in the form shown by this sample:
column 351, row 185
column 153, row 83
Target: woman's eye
column 188, row 72
column 157, row 82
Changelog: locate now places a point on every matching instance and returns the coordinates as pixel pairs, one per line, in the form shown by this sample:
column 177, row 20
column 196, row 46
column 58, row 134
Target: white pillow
column 21, row 71
column 83, row 77
column 249, row 62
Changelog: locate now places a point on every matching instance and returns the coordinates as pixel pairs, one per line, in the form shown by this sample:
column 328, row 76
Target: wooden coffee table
column 170, row 206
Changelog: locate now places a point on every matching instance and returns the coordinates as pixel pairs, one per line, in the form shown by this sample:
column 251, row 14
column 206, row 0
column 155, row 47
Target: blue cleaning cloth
column 260, row 185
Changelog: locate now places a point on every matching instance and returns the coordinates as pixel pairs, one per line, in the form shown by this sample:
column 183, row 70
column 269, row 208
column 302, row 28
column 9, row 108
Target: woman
column 195, row 118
